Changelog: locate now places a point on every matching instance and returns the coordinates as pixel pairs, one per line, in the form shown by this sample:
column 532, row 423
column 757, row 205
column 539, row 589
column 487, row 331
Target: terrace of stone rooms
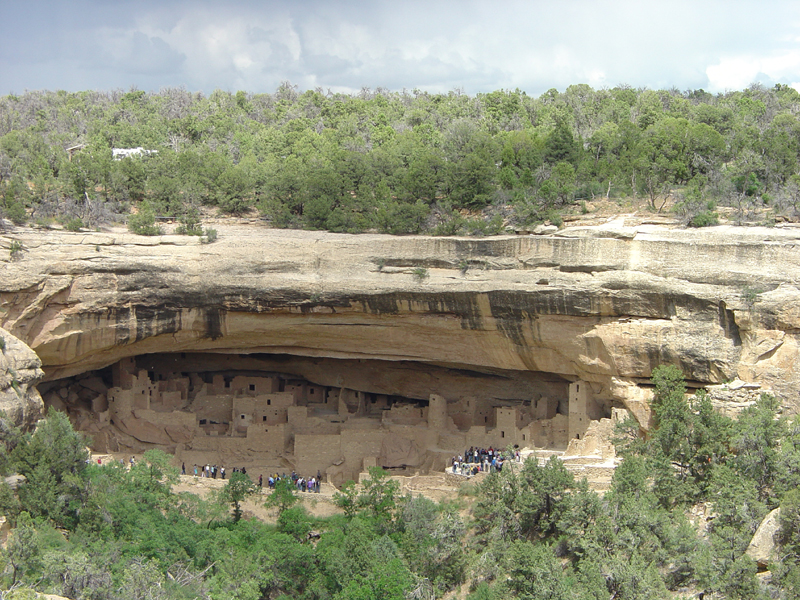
column 223, row 410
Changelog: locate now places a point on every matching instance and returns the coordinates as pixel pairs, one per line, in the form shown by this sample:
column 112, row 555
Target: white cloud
column 229, row 50
column 737, row 72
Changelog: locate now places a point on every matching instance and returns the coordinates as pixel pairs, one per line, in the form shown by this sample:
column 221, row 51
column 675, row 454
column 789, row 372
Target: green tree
column 671, row 414
column 51, row 458
column 236, row 188
column 144, row 221
column 283, row 496
column 757, row 443
column 560, row 145
column 347, row 499
column 689, row 441
column 296, row 522
column 154, row 474
column 470, row 166
column 14, row 198
column 398, row 217
column 379, row 495
column 237, row 490
column 535, row 573
column 22, row 549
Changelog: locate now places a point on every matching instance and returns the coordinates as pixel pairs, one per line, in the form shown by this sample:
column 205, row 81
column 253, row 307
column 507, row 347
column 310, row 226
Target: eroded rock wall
column 20, row 371
column 605, row 305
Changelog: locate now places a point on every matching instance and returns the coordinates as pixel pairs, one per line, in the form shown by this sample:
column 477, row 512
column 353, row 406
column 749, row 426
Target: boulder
column 763, row 546
column 16, row 480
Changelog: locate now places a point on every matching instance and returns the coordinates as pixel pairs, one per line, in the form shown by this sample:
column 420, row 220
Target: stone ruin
column 274, row 422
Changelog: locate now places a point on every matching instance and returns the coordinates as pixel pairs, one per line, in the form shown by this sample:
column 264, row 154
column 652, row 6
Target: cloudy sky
column 342, row 45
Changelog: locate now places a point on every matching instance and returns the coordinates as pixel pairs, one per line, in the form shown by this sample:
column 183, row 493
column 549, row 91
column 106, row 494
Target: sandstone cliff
column 20, row 371
column 601, row 304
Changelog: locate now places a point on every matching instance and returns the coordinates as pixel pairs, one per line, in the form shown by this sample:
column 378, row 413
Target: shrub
column 15, row 250
column 450, row 224
column 481, row 227
column 296, row 522
column 399, row 217
column 75, row 224
column 189, row 224
column 705, row 218
column 419, row 273
column 237, row 490
column 449, row 227
column 144, row 222
column 15, row 211
column 751, row 295
column 210, row 235
column 555, row 218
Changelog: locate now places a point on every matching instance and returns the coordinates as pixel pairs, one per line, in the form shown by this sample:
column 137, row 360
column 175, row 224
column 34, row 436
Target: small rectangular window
column 243, row 416
column 264, row 418
column 252, row 387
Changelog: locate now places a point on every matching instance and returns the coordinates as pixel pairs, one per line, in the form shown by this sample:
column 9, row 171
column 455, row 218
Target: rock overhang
column 597, row 305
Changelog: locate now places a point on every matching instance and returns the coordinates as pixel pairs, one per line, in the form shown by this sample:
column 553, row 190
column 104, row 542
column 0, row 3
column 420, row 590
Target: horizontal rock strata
column 604, row 305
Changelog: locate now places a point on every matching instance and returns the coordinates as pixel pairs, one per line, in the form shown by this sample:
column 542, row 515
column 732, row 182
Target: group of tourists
column 211, row 471
column 481, row 460
column 302, row 484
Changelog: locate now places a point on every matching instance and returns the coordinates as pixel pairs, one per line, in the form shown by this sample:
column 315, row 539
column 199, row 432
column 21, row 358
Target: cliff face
column 604, row 305
column 20, row 371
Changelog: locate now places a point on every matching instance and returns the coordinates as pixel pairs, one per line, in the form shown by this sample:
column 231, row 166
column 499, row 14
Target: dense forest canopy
column 683, row 506
column 399, row 162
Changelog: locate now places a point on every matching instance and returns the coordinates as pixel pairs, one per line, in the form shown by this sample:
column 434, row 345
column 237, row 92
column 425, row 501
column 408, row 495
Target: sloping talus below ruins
column 509, row 318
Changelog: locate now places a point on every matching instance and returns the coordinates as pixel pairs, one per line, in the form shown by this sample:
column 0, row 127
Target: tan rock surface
column 20, row 371
column 762, row 548
column 605, row 305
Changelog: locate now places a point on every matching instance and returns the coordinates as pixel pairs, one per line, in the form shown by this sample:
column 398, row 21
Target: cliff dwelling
column 281, row 413
column 281, row 350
